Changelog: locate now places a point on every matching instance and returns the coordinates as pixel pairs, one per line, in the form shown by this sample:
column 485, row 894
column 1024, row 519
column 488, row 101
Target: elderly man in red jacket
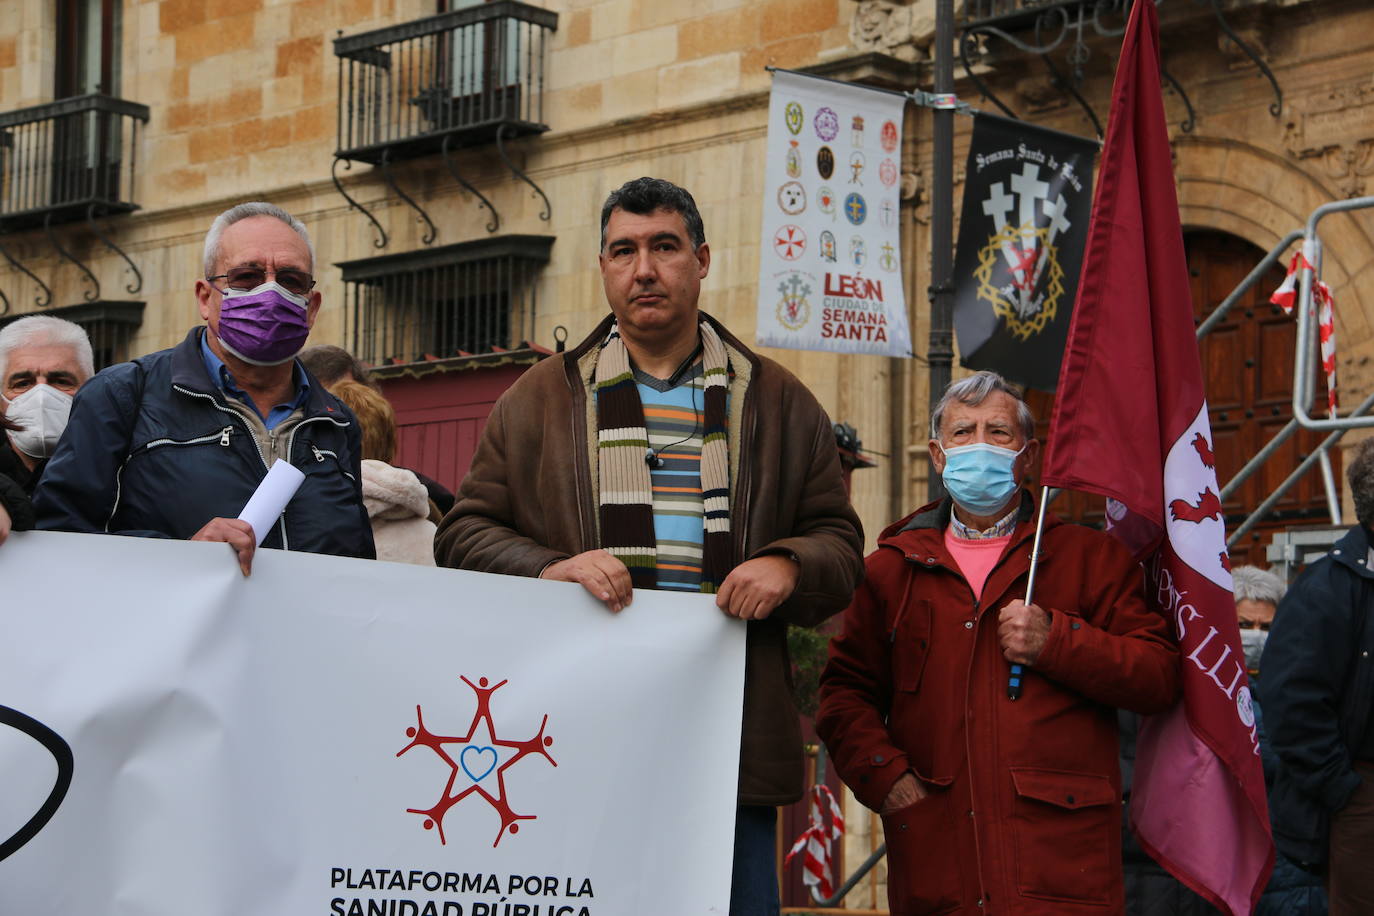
column 989, row 804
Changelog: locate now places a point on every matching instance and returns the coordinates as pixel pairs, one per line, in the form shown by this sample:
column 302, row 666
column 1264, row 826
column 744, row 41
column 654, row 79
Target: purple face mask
column 265, row 326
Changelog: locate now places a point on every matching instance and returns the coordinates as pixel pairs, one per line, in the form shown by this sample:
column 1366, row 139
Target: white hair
column 973, row 391
column 35, row 330
column 246, row 211
column 1254, row 584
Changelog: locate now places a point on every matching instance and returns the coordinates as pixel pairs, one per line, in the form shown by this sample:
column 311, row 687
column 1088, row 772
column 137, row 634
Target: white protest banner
column 830, row 268
column 354, row 738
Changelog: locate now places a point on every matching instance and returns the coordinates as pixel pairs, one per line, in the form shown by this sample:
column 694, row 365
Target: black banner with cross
column 1027, row 198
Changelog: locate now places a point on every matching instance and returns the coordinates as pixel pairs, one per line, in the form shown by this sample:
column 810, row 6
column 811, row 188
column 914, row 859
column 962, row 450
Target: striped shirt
column 675, row 419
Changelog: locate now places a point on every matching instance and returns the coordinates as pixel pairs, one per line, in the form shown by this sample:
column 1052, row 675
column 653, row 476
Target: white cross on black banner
column 1027, row 197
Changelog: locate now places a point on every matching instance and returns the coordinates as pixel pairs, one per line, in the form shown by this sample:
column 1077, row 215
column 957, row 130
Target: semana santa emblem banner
column 349, row 738
column 830, row 269
column 1027, row 198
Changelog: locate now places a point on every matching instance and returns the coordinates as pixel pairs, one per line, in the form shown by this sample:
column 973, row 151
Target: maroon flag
column 1130, row 423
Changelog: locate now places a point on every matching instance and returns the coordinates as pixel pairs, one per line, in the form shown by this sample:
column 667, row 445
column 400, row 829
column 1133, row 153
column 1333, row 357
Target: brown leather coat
column 530, row 499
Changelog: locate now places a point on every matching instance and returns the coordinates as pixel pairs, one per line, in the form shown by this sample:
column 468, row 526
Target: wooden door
column 440, row 417
column 1247, row 367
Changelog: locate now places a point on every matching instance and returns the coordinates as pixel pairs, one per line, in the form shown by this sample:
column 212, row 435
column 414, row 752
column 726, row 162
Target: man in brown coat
column 720, row 476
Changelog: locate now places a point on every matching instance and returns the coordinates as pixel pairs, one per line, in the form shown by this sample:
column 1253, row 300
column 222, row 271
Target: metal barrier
column 1304, row 373
column 1304, row 369
column 858, row 874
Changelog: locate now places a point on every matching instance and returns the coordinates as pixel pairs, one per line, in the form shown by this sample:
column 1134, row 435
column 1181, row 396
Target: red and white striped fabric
column 1286, row 297
column 816, row 839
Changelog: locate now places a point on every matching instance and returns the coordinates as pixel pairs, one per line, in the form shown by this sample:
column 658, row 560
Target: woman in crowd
column 397, row 503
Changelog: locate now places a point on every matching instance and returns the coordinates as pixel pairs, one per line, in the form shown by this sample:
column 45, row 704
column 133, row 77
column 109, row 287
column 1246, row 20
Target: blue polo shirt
column 221, row 376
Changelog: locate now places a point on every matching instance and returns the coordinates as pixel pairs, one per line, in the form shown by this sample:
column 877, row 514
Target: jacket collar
column 926, row 526
column 1352, row 551
column 598, row 334
column 188, row 367
column 936, row 515
column 188, row 371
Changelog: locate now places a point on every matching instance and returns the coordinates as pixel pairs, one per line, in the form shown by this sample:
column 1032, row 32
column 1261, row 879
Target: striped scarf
column 627, row 501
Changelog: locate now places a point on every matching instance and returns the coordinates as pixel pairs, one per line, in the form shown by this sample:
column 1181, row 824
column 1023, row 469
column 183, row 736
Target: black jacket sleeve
column 16, row 503
column 1304, row 668
column 79, row 490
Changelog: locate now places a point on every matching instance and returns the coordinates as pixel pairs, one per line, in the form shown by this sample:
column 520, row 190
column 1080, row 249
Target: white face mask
column 1253, row 641
column 43, row 412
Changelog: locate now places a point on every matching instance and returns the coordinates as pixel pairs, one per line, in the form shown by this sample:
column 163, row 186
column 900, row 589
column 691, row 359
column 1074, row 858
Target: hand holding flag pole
column 1014, row 682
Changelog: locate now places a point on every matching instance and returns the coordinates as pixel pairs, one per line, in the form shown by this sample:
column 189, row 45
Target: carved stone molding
column 1349, row 165
column 911, row 187
column 1234, row 56
column 1337, row 130
column 902, row 30
column 1039, row 94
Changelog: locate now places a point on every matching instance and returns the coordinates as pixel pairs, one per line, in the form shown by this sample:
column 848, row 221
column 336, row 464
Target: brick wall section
column 652, row 55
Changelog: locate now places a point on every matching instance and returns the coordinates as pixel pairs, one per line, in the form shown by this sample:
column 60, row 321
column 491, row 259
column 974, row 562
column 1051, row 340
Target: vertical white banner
column 350, row 738
column 830, row 267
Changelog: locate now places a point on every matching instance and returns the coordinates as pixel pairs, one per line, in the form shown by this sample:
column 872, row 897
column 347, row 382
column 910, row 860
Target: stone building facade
column 247, row 99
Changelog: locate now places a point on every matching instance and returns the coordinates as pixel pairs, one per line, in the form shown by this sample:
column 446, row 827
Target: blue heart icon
column 482, row 765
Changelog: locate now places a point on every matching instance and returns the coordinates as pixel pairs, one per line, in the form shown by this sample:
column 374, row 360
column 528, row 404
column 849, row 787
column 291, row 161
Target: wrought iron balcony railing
column 459, row 77
column 1064, row 28
column 68, row 160
column 1015, row 14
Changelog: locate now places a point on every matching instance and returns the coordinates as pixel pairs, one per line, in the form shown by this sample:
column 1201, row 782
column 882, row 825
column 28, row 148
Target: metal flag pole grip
column 1014, row 682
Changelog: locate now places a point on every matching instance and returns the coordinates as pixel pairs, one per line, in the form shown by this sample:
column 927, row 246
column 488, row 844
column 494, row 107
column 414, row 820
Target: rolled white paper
column 269, row 500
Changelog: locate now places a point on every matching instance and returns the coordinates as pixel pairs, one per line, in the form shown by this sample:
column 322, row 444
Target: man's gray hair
column 1250, row 583
column 973, row 391
column 1360, row 473
column 49, row 330
column 246, row 211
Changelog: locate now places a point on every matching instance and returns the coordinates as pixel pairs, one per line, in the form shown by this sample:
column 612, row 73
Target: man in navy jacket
column 1318, row 667
column 173, row 444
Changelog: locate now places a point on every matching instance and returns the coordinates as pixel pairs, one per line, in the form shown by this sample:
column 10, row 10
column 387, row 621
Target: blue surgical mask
column 980, row 478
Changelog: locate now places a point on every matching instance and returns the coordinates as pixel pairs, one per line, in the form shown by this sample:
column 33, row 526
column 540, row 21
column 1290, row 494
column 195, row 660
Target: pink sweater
column 975, row 558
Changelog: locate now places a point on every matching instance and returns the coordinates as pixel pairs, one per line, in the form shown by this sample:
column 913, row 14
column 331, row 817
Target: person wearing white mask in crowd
column 1258, row 593
column 44, row 360
column 173, row 444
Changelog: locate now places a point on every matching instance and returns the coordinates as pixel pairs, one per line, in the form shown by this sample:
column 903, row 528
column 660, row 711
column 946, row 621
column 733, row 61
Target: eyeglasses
column 243, row 279
column 1253, row 624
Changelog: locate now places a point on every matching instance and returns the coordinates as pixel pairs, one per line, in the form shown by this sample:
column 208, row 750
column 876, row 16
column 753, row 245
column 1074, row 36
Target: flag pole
column 1035, row 545
column 1014, row 682
column 940, row 352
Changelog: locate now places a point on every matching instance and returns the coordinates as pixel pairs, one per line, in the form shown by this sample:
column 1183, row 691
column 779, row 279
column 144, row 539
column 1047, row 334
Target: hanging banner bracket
column 948, row 101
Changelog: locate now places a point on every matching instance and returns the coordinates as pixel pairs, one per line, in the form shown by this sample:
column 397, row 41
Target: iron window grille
column 111, row 326
column 458, row 300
